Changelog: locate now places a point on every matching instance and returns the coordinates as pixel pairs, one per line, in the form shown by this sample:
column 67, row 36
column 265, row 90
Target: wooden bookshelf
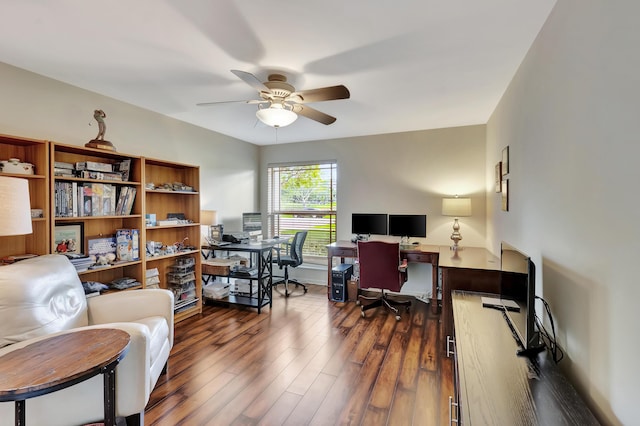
column 35, row 152
column 96, row 223
column 162, row 197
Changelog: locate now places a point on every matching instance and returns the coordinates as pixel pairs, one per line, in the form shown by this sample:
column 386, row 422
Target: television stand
column 494, row 386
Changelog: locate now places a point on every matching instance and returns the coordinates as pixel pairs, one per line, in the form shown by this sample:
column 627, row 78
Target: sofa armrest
column 134, row 305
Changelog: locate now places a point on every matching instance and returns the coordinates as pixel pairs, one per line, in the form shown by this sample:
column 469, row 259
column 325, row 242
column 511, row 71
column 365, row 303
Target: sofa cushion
column 159, row 332
column 40, row 296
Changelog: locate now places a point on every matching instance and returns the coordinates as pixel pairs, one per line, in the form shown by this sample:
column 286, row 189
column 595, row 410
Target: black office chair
column 290, row 254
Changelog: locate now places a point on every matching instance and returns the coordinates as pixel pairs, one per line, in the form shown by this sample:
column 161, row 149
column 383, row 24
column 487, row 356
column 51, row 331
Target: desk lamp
column 208, row 218
column 15, row 207
column 457, row 207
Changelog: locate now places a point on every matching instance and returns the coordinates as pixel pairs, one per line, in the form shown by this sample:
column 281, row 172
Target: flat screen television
column 518, row 284
column 369, row 223
column 408, row 225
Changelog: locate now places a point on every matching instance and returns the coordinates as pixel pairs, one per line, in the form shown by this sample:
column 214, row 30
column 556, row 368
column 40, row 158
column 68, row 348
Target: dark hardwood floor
column 306, row 361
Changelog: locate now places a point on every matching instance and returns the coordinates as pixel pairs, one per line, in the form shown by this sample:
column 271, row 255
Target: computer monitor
column 252, row 223
column 369, row 223
column 408, row 225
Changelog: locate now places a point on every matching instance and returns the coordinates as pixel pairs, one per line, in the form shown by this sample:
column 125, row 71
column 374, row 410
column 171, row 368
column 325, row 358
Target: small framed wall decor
column 499, row 176
column 505, row 161
column 68, row 238
column 505, row 195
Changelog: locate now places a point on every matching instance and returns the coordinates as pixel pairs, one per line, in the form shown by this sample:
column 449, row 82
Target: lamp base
column 456, row 237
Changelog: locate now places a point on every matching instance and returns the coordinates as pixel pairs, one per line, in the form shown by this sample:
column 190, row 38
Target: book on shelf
column 95, row 166
column 63, row 165
column 131, row 196
column 96, row 201
column 87, row 197
column 91, row 174
column 73, row 199
column 108, row 200
column 124, row 167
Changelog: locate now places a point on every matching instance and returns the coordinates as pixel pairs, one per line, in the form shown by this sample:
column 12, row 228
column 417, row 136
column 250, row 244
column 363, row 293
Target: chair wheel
column 357, row 303
column 362, row 314
column 397, row 317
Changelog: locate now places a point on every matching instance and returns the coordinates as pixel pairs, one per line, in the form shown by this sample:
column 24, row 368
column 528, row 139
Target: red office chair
column 380, row 267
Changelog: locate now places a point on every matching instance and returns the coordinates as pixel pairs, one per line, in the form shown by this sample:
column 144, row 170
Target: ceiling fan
column 280, row 104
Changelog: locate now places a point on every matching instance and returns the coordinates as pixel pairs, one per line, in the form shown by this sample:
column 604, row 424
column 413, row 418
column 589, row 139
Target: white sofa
column 43, row 296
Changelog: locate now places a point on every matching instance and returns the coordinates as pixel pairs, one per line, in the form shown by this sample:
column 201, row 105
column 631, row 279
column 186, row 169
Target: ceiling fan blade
column 313, row 114
column 251, row 80
column 318, row 95
column 251, row 101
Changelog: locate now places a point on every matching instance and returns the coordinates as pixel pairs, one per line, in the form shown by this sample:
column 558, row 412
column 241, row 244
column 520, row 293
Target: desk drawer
column 418, row 257
column 344, row 252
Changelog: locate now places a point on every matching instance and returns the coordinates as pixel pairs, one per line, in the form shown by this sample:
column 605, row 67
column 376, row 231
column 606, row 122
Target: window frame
column 279, row 217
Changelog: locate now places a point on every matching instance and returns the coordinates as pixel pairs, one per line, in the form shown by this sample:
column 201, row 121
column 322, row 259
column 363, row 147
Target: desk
column 420, row 254
column 261, row 257
column 497, row 387
column 471, row 269
column 61, row 361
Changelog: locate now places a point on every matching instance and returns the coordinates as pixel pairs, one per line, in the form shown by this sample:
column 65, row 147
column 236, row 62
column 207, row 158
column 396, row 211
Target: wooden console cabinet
column 497, row 387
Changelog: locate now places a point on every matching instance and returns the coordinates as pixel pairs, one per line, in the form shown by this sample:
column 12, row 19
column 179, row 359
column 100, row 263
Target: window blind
column 303, row 197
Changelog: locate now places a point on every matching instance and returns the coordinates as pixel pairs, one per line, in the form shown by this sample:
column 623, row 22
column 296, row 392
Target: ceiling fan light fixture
column 276, row 115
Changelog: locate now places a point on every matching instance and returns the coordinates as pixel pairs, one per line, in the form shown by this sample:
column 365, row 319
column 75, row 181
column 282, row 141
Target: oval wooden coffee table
column 62, row 361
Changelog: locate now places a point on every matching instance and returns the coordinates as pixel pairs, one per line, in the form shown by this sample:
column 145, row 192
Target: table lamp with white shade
column 208, row 218
column 457, row 207
column 15, row 207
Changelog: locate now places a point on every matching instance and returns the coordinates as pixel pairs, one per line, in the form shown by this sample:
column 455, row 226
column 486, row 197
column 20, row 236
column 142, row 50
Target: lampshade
column 208, row 217
column 457, row 207
column 276, row 115
column 15, row 207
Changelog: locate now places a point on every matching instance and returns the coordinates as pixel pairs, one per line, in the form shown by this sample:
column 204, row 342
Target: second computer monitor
column 408, row 225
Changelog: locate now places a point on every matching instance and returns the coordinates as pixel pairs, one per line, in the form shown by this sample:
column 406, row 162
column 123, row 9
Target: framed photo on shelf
column 505, row 161
column 499, row 176
column 68, row 238
column 101, row 245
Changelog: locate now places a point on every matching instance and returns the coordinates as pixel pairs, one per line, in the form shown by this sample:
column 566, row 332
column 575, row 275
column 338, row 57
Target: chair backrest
column 296, row 247
column 379, row 262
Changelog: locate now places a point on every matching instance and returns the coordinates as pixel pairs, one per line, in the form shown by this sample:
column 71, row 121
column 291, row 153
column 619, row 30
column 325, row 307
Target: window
column 303, row 197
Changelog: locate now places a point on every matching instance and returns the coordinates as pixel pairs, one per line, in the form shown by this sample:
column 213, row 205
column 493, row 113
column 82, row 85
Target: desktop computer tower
column 339, row 277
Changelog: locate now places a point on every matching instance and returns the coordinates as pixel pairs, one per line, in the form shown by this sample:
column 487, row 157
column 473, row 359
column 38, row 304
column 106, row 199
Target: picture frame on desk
column 68, row 238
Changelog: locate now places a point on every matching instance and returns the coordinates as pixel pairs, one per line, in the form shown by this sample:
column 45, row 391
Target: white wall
column 401, row 173
column 570, row 119
column 37, row 107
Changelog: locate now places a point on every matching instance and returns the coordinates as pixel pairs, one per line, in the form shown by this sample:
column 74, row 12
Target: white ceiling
column 409, row 64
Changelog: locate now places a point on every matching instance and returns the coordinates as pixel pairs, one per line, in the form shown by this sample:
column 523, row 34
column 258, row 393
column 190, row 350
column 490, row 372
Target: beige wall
column 38, row 107
column 401, row 173
column 570, row 118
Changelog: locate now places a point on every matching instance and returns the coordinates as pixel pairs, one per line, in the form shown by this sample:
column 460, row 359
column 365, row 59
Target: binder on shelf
column 96, row 200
